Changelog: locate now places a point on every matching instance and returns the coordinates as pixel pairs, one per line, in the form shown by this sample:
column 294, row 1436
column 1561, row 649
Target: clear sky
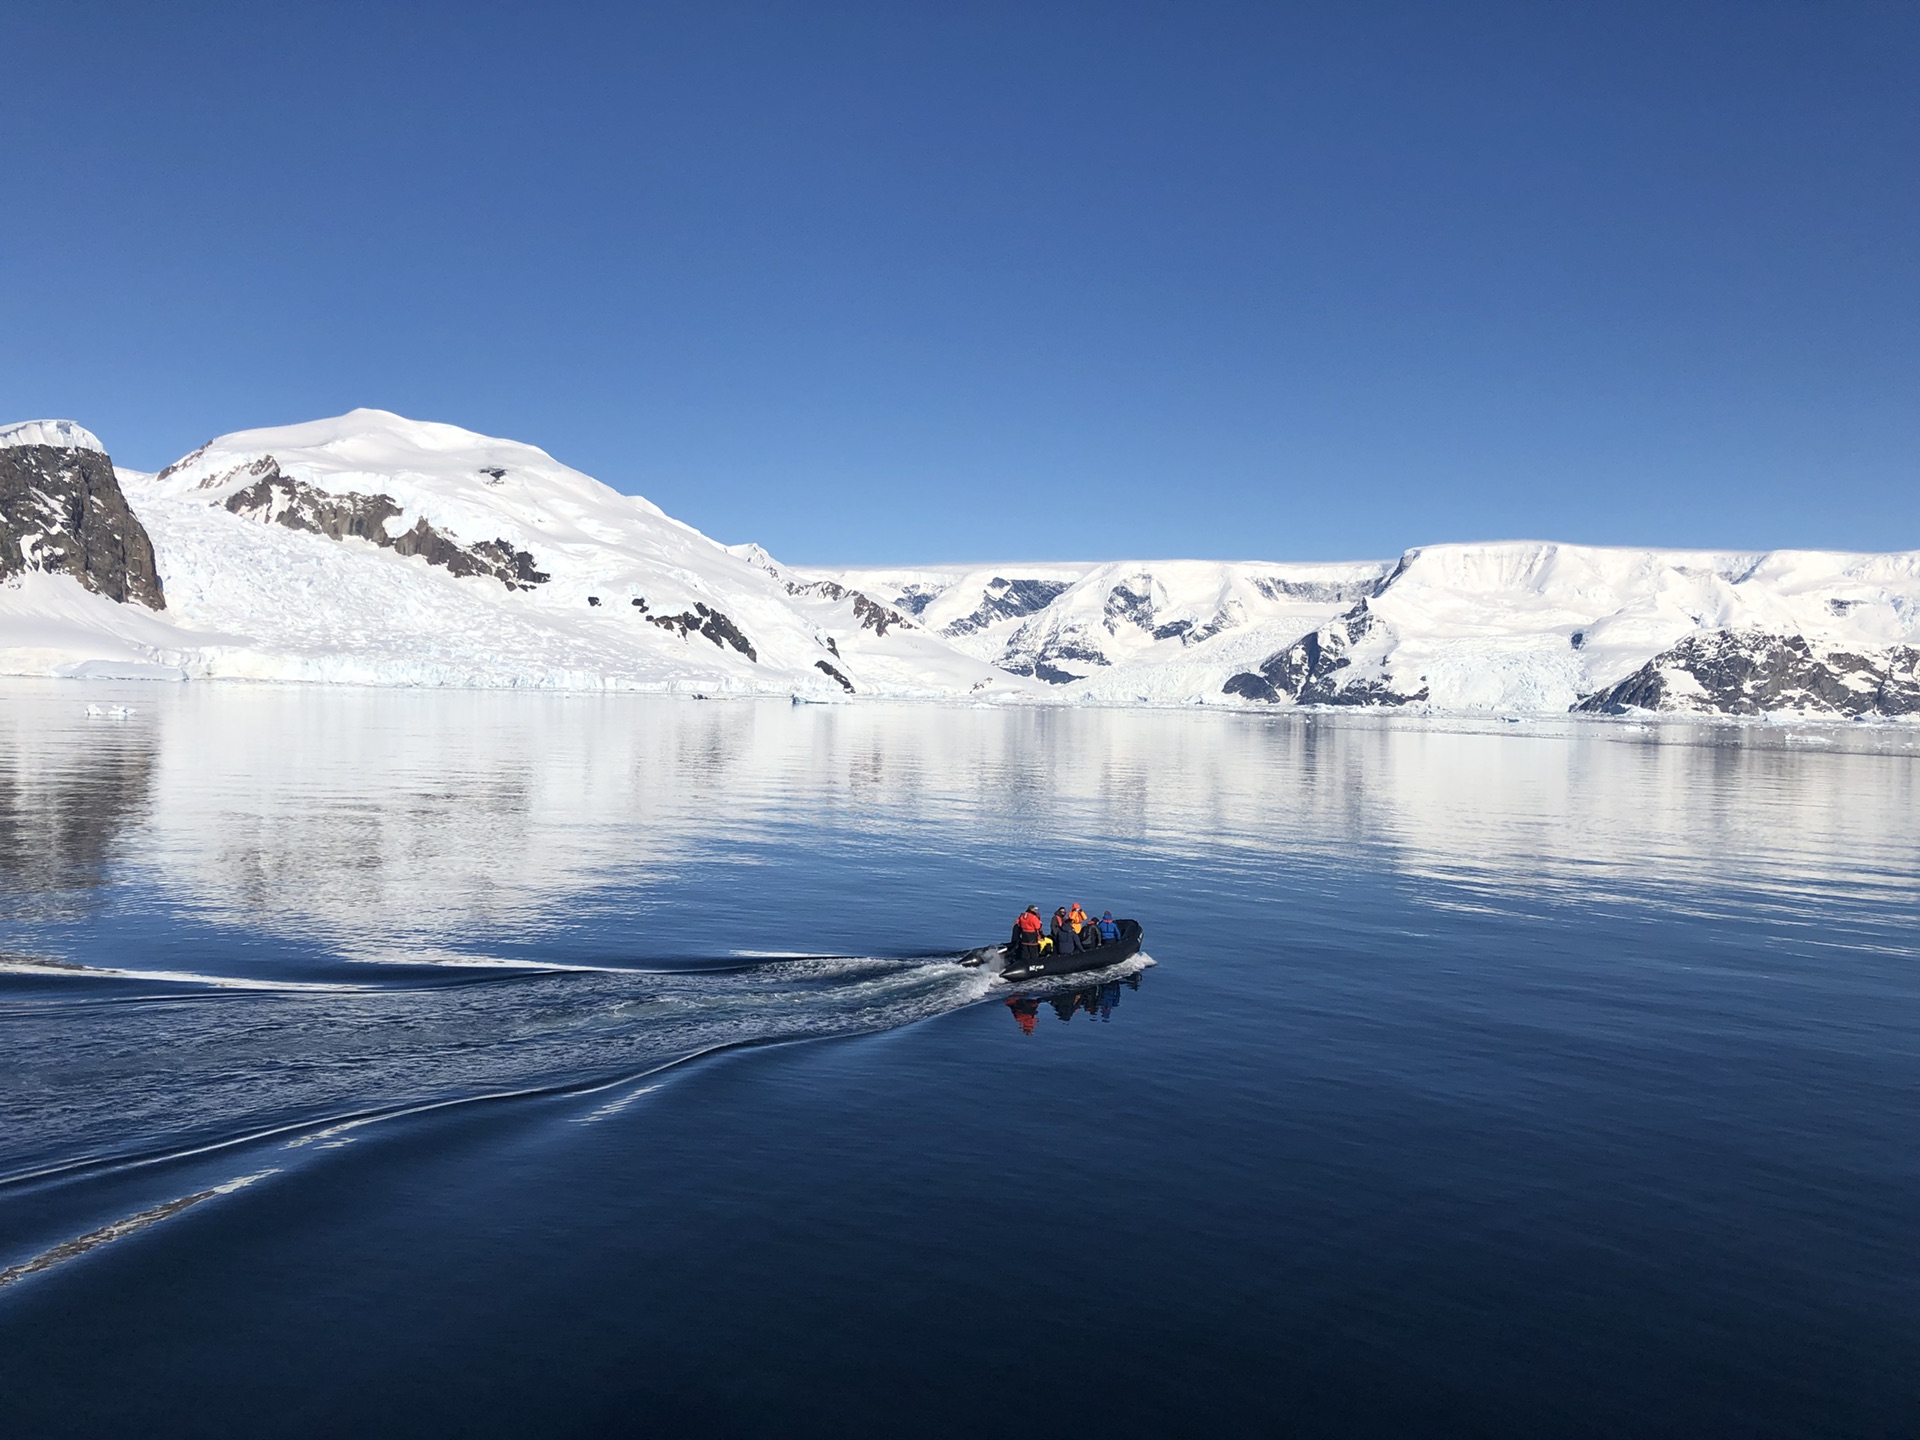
column 906, row 282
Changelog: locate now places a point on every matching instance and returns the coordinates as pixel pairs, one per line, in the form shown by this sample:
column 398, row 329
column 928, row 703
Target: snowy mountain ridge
column 57, row 434
column 373, row 549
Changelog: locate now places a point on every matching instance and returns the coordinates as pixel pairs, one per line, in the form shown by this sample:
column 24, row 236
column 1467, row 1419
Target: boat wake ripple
column 140, row 1110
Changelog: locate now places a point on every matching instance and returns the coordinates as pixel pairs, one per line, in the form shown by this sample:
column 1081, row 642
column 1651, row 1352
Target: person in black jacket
column 1065, row 942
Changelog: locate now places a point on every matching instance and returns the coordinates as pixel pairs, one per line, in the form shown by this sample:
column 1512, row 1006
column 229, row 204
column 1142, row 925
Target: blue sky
column 913, row 282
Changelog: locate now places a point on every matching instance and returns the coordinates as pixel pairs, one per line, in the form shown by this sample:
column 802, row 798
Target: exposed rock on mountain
column 1752, row 672
column 373, row 549
column 717, row 627
column 1318, row 669
column 1124, row 632
column 62, row 512
column 1541, row 628
column 470, row 560
column 868, row 613
column 273, row 498
column 1003, row 599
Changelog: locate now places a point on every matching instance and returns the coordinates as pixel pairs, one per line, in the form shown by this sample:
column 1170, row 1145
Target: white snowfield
column 1522, row 627
column 248, row 598
column 1129, row 632
column 61, row 434
column 320, row 552
column 1533, row 627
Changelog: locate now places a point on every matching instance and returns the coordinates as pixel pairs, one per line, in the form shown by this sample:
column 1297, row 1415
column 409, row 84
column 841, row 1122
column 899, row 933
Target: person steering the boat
column 1024, row 950
column 1109, row 931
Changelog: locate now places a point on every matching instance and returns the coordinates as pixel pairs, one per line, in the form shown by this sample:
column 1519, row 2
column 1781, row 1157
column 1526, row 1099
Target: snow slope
column 61, row 434
column 377, row 550
column 1127, row 631
column 259, row 587
column 1535, row 626
column 1510, row 627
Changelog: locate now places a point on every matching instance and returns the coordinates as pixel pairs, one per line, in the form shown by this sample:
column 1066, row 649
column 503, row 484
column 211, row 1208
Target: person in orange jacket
column 1024, row 952
column 1077, row 918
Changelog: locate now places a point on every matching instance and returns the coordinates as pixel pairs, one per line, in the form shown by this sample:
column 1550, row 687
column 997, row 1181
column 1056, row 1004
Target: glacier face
column 373, row 549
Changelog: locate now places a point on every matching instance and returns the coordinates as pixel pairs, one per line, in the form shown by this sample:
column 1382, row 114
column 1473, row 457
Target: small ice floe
column 109, row 712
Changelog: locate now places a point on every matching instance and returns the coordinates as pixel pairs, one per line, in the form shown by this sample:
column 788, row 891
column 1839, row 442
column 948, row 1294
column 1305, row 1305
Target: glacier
column 373, row 549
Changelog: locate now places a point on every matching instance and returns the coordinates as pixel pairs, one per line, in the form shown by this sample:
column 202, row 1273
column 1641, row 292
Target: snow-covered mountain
column 1543, row 627
column 1130, row 631
column 378, row 550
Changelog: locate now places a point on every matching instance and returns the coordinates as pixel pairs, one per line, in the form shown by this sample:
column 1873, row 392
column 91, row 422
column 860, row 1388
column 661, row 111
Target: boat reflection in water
column 1096, row 1002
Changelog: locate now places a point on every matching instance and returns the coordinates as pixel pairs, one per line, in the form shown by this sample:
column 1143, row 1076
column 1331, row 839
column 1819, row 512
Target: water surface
column 499, row 1064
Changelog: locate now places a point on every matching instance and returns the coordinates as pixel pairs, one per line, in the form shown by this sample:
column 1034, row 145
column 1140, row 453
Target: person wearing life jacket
column 1077, row 918
column 1109, row 931
column 1064, row 939
column 1024, row 949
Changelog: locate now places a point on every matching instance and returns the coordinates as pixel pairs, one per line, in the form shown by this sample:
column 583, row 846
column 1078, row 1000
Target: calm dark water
column 416, row 1064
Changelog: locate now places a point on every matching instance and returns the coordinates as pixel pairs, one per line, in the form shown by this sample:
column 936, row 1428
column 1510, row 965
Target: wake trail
column 147, row 1089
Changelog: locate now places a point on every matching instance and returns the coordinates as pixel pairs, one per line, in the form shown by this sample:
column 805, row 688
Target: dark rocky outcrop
column 1125, row 604
column 867, row 611
column 1044, row 662
column 1315, row 669
column 1004, row 600
column 915, row 599
column 62, row 511
column 714, row 624
column 278, row 499
column 1131, row 602
column 1754, row 672
column 845, row 683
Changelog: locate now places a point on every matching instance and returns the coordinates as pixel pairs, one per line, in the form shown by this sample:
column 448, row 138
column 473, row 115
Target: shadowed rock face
column 845, row 683
column 1310, row 671
column 1753, row 672
column 1004, row 600
column 869, row 612
column 62, row 511
column 714, row 624
column 1045, row 658
column 274, row 498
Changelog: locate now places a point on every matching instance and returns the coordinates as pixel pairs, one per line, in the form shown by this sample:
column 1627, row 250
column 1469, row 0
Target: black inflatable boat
column 1004, row 960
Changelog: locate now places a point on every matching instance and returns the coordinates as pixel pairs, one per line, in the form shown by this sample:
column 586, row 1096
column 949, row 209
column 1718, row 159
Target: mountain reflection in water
column 500, row 1064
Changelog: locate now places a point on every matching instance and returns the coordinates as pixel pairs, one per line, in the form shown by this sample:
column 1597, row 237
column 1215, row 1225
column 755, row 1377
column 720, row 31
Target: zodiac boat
column 1004, row 960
